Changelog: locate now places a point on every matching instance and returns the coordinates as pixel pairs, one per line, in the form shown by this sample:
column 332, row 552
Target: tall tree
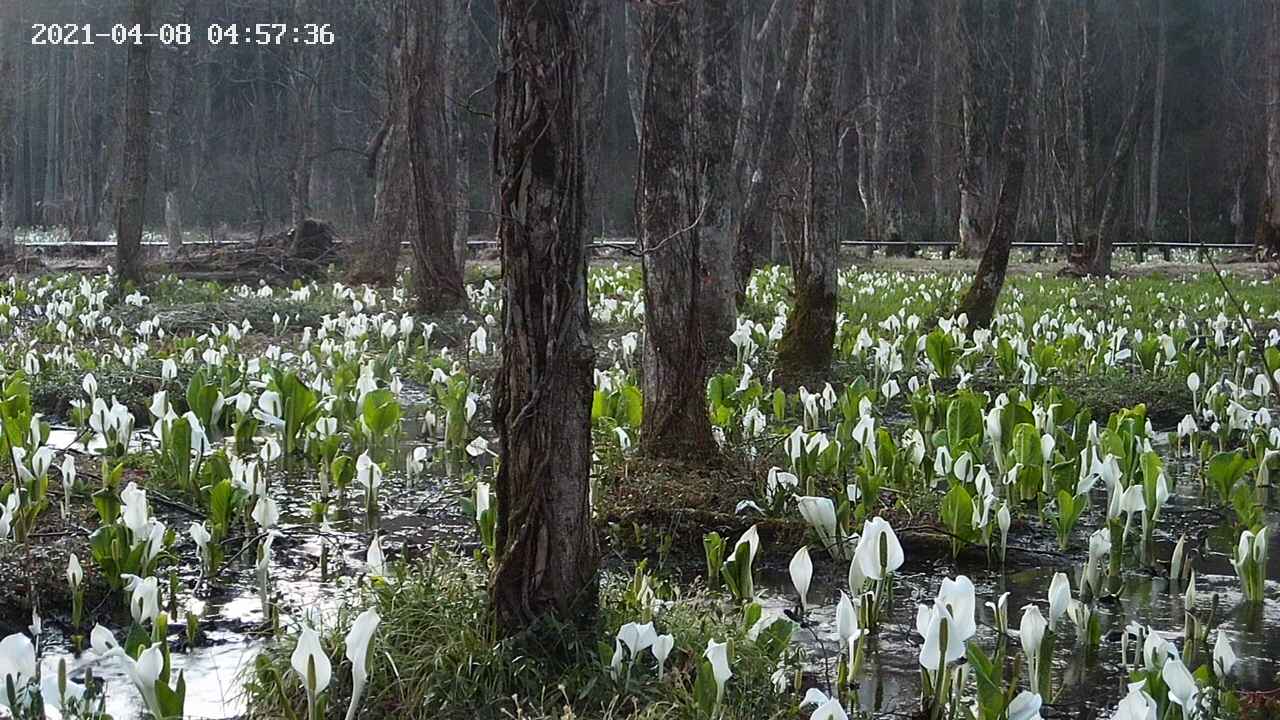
column 437, row 276
column 388, row 164
column 8, row 140
column 304, row 88
column 131, row 208
column 547, row 553
column 1268, row 239
column 719, row 101
column 882, row 118
column 667, row 216
column 756, row 217
column 807, row 344
column 975, row 220
column 457, row 35
column 979, row 303
column 1157, row 120
column 176, row 101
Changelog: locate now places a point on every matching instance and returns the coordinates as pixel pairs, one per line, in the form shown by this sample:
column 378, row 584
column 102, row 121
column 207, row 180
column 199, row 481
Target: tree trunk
column 941, row 40
column 635, row 64
column 879, row 126
column 597, row 23
column 979, row 303
column 1101, row 244
column 387, row 162
column 302, row 102
column 176, row 101
column 719, row 101
column 667, row 215
column 393, row 211
column 456, row 68
column 54, row 205
column 974, row 224
column 9, row 93
column 547, row 554
column 807, row 345
column 131, row 209
column 753, row 233
column 1268, row 239
column 437, row 278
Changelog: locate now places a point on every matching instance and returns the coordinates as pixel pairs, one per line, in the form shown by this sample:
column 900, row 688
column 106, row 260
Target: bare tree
column 808, row 343
column 975, row 178
column 881, row 119
column 437, row 276
column 719, row 101
column 176, row 102
column 668, row 214
column 8, row 140
column 547, row 553
column 1157, row 120
column 131, row 210
column 1100, row 246
column 304, row 87
column 979, row 302
column 775, row 149
column 388, row 164
column 1268, row 240
column 455, row 69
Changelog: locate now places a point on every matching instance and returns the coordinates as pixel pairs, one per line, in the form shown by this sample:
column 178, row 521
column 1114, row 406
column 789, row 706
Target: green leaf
column 633, row 404
column 704, row 689
column 964, row 420
column 381, row 411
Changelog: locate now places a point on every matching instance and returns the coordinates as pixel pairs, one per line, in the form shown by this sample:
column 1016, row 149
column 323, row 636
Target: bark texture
column 979, row 303
column 1100, row 247
column 548, row 556
column 388, row 164
column 131, row 206
column 667, row 215
column 1268, row 240
column 881, row 122
column 756, row 220
column 437, row 276
column 1157, row 121
column 807, row 344
column 975, row 213
column 8, row 141
column 719, row 101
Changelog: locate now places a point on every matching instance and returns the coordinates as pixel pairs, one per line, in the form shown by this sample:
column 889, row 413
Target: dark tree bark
column 176, row 102
column 8, row 139
column 1101, row 245
column 437, row 277
column 388, row 164
column 131, row 209
column 547, row 554
column 667, row 216
column 975, row 212
column 54, row 206
column 805, row 351
column 597, row 22
column 1157, row 121
column 882, row 123
column 460, row 155
column 1268, row 235
column 979, row 303
column 303, row 89
column 635, row 64
column 719, row 101
column 756, row 218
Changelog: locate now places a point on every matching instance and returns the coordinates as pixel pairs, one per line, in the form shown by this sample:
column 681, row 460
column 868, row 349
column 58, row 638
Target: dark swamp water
column 426, row 513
